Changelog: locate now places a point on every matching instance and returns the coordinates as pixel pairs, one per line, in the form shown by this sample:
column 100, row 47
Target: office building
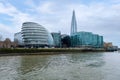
column 35, row 35
column 56, row 39
column 65, row 40
column 73, row 24
column 86, row 39
column 18, row 39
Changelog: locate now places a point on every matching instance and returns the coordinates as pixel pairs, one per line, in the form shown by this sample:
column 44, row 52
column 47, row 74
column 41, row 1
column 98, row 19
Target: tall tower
column 73, row 24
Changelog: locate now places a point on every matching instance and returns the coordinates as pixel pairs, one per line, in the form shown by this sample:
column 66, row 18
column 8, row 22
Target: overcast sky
column 98, row 16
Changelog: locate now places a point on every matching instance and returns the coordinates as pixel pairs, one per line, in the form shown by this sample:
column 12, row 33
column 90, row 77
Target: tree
column 7, row 43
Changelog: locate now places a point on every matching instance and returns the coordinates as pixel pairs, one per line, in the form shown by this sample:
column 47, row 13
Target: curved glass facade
column 35, row 35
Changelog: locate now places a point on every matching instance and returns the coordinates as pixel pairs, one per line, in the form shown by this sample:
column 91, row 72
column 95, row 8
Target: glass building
column 35, row 35
column 18, row 39
column 65, row 40
column 86, row 39
column 56, row 39
column 73, row 24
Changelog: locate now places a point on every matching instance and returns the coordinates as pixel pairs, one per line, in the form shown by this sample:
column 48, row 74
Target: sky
column 97, row 16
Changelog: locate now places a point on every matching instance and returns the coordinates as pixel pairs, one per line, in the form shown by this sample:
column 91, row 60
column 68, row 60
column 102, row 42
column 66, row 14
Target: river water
column 73, row 66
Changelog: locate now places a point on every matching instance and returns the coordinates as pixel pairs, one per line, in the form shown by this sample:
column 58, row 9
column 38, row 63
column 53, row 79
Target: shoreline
column 45, row 51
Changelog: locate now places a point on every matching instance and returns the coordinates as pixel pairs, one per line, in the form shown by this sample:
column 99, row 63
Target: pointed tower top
column 73, row 11
column 73, row 23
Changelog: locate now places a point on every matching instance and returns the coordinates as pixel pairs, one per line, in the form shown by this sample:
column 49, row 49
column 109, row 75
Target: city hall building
column 34, row 35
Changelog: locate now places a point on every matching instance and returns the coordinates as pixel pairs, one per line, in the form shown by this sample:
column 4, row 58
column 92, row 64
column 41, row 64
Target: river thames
column 73, row 66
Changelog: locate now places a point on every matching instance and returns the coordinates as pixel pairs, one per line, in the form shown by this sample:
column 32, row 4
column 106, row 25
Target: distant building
column 108, row 44
column 73, row 24
column 33, row 35
column 7, row 44
column 56, row 39
column 1, row 44
column 97, row 41
column 65, row 40
column 86, row 39
column 110, row 47
column 18, row 39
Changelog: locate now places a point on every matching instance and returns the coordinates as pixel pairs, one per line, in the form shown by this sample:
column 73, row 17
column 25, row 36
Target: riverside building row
column 86, row 39
column 35, row 35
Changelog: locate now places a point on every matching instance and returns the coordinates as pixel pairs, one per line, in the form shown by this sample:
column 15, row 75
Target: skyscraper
column 73, row 24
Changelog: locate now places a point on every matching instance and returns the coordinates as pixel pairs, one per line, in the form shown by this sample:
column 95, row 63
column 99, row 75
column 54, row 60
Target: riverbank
column 45, row 51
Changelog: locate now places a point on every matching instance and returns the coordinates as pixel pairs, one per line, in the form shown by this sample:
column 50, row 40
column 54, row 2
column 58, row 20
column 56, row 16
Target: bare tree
column 7, row 43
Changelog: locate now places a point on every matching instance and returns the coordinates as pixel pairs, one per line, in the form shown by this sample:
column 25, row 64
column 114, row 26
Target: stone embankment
column 45, row 51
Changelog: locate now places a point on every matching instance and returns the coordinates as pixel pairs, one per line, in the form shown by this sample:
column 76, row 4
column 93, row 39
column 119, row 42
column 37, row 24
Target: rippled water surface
column 75, row 66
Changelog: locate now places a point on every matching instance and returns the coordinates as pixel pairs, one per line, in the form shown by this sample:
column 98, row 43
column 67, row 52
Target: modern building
column 65, row 40
column 34, row 35
column 86, row 39
column 73, row 24
column 18, row 39
column 56, row 39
